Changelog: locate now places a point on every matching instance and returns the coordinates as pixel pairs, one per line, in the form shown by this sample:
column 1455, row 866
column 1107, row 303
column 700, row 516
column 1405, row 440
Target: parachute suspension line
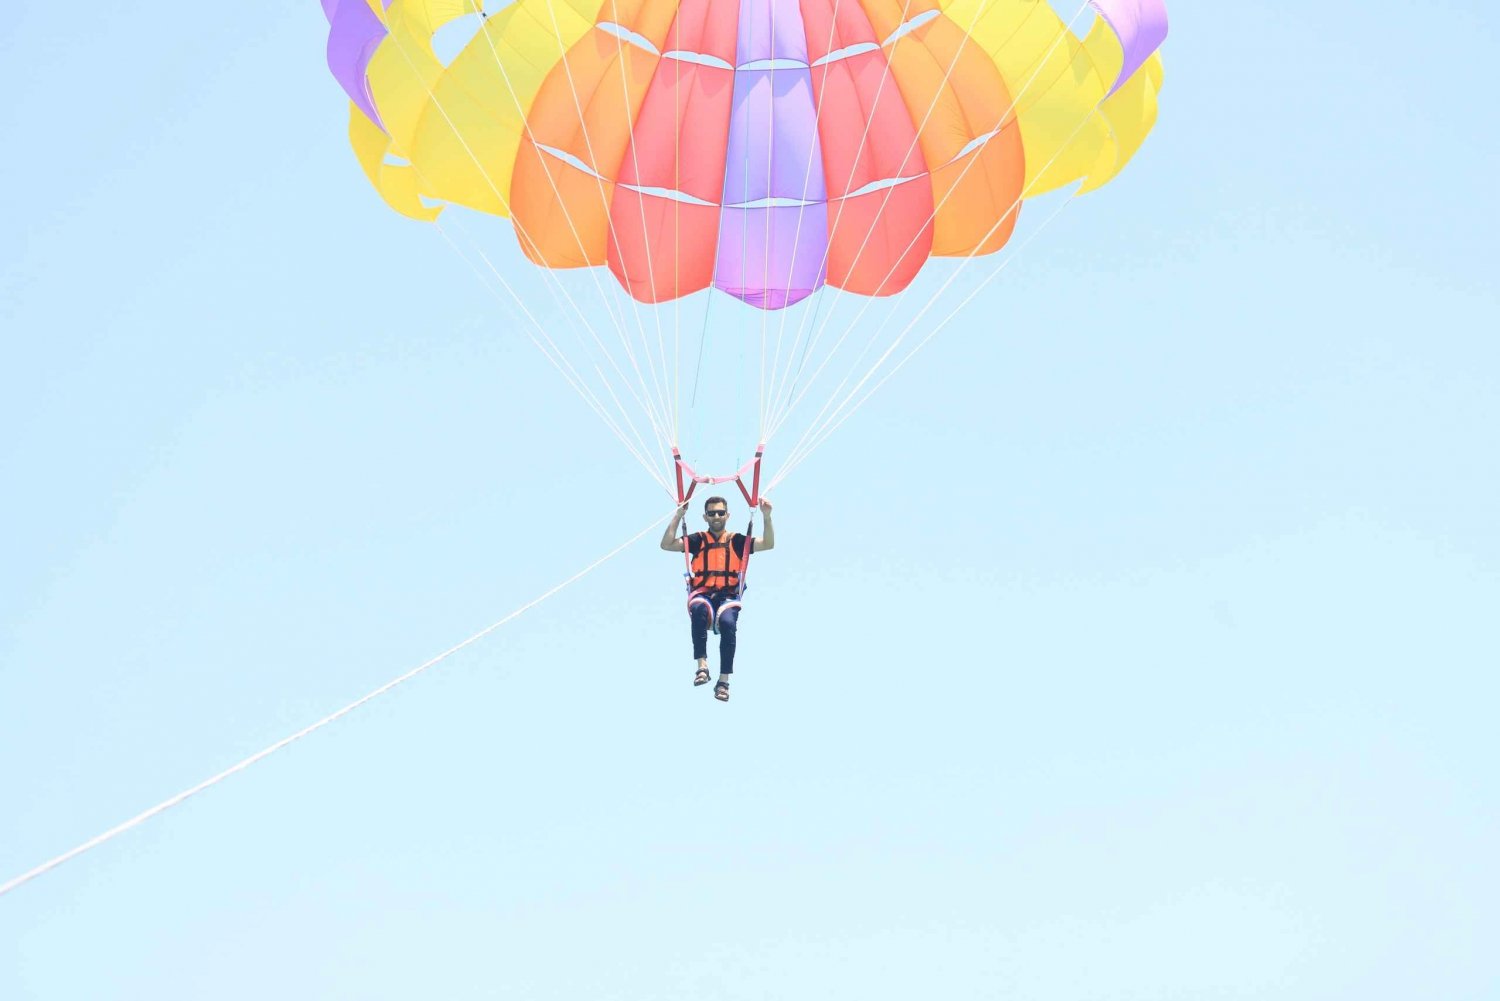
column 765, row 261
column 521, row 229
column 677, row 261
column 833, row 425
column 617, row 319
column 663, row 392
column 608, row 216
column 958, row 271
column 885, row 75
column 829, row 425
column 479, row 165
column 594, row 166
column 739, row 372
column 821, row 432
column 561, row 362
column 702, row 338
column 266, row 752
column 791, row 380
column 802, row 212
column 639, row 449
column 1063, row 33
column 744, row 239
column 549, row 349
column 864, row 137
column 724, row 197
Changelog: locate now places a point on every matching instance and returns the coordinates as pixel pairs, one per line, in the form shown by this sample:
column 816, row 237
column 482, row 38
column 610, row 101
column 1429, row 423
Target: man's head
column 716, row 513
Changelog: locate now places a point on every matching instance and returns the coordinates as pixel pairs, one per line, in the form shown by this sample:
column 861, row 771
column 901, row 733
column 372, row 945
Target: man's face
column 716, row 515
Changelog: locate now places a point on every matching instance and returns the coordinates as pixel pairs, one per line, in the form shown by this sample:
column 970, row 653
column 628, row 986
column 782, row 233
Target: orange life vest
column 718, row 565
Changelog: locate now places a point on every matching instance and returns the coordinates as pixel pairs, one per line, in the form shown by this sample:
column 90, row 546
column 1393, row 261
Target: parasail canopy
column 768, row 150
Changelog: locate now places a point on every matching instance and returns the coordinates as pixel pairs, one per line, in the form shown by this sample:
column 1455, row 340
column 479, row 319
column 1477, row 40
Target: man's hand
column 767, row 541
column 669, row 539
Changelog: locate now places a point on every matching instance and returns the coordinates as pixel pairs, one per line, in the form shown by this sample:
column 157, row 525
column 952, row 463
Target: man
column 717, row 558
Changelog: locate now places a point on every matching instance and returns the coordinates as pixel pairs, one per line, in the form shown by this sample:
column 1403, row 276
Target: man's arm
column 670, row 540
column 766, row 542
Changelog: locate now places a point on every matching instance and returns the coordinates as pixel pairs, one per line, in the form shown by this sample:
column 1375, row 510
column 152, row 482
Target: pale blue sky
column 1137, row 642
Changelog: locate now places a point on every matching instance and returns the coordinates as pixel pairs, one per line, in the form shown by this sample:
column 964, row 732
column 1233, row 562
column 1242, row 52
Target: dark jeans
column 728, row 621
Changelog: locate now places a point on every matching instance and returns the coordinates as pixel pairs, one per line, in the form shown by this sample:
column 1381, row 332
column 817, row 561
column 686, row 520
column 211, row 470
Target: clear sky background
column 1137, row 642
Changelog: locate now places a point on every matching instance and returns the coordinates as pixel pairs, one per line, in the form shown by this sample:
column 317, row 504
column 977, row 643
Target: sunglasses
column 715, row 514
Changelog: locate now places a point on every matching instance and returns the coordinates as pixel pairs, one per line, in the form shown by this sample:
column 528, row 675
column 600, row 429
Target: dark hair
column 712, row 499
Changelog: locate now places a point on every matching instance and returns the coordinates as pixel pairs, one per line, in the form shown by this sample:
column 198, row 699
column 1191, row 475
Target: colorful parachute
column 762, row 147
column 807, row 158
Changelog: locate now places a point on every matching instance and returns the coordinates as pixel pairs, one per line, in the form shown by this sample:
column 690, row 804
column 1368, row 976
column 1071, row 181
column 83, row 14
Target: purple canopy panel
column 354, row 32
column 1141, row 26
column 757, row 254
column 771, row 255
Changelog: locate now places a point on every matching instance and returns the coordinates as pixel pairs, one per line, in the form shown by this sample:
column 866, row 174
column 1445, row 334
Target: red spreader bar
column 686, row 474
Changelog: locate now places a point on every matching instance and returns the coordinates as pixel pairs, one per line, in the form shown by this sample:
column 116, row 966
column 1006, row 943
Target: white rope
column 549, row 349
column 677, row 261
column 519, row 227
column 630, row 119
column 864, row 136
column 816, row 434
column 816, row 430
column 659, row 410
column 617, row 320
column 561, row 362
column 831, row 426
column 593, row 161
column 547, row 272
column 974, row 156
column 578, row 240
column 885, row 75
column 806, row 179
column 696, row 424
column 186, row 794
column 765, row 264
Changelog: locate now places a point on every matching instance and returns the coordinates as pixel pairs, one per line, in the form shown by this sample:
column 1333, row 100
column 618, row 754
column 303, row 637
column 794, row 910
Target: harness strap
column 714, row 614
column 732, row 603
column 749, row 548
column 699, row 598
column 688, row 574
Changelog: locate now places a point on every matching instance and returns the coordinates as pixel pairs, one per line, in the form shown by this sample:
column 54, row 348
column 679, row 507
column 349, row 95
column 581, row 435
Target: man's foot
column 701, row 678
column 721, row 691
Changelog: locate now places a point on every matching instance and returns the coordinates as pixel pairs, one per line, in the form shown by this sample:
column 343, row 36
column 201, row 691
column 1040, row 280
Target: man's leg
column 700, row 614
column 729, row 619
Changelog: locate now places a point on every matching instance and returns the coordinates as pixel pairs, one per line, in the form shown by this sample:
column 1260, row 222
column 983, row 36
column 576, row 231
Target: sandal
column 721, row 691
column 701, row 678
